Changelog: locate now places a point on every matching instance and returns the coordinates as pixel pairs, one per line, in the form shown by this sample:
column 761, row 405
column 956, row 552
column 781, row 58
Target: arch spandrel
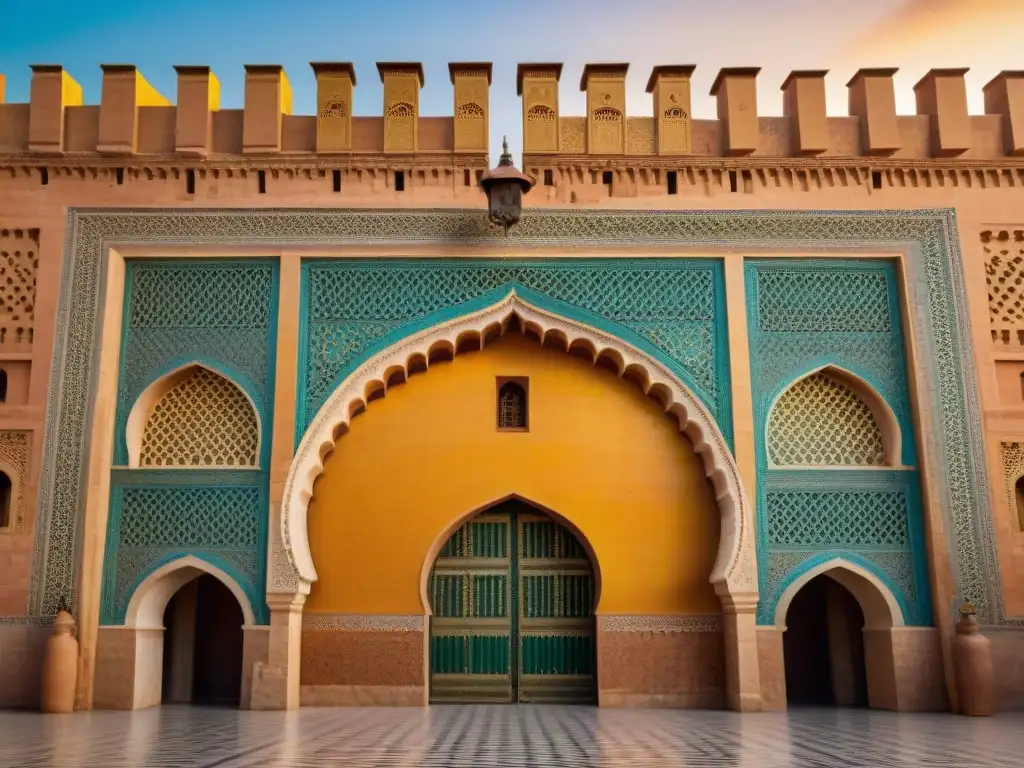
column 734, row 571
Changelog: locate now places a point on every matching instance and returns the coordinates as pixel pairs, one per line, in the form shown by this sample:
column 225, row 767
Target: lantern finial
column 505, row 186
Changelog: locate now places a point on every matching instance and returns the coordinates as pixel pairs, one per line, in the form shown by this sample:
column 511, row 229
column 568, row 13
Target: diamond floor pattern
column 505, row 737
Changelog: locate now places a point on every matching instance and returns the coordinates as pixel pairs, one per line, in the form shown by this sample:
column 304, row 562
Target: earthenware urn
column 60, row 666
column 972, row 661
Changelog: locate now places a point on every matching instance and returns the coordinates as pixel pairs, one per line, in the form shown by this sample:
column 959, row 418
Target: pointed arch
column 832, row 417
column 447, row 532
column 198, row 408
column 292, row 568
column 880, row 607
column 149, row 600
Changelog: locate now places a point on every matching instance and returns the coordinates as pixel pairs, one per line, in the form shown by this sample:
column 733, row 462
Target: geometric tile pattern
column 938, row 319
column 826, row 519
column 212, row 519
column 675, row 306
column 495, row 736
column 820, row 421
column 837, row 301
column 204, row 420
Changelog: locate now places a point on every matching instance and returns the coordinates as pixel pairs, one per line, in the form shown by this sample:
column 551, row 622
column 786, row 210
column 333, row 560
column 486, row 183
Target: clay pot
column 972, row 661
column 60, row 667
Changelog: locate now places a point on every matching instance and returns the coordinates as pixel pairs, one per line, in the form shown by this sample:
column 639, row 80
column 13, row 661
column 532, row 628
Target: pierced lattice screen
column 203, row 421
column 819, row 421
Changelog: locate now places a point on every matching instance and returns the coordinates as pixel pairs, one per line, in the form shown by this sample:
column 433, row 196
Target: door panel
column 471, row 629
column 512, row 595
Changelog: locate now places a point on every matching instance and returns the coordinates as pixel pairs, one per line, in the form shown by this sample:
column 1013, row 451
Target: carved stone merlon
column 1004, row 95
column 873, row 99
column 198, row 99
column 472, row 81
column 335, row 82
column 268, row 98
column 402, row 83
column 670, row 87
column 605, row 86
column 942, row 94
column 125, row 90
column 803, row 102
column 538, row 85
column 736, row 91
column 52, row 91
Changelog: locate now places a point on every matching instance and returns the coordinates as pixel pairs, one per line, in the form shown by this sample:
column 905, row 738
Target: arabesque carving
column 1004, row 273
column 19, row 260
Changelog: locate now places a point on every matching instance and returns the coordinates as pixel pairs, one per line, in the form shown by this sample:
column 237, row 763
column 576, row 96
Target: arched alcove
column 845, row 621
column 193, row 417
column 828, row 418
column 186, row 619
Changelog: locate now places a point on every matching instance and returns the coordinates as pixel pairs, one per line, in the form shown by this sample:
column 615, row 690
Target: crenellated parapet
column 133, row 120
column 609, row 153
column 942, row 127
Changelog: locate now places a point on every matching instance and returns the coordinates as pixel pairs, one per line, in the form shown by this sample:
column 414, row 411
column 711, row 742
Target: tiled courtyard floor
column 485, row 736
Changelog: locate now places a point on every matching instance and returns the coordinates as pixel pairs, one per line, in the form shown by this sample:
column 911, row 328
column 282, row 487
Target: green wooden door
column 512, row 598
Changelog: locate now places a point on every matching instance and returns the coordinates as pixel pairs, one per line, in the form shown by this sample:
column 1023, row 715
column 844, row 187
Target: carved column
column 472, row 81
column 739, row 593
column 275, row 683
column 1004, row 95
column 335, row 82
column 670, row 87
column 605, row 86
column 402, row 83
column 53, row 90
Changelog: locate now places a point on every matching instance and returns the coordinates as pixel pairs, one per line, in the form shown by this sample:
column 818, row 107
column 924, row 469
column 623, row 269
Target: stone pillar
column 268, row 98
column 942, row 95
column 742, row 668
column 742, row 662
column 803, row 102
column 275, row 681
column 52, row 91
column 3, row 88
column 873, row 99
column 97, row 498
column 198, row 99
column 772, row 668
column 736, row 92
column 125, row 90
column 1004, row 95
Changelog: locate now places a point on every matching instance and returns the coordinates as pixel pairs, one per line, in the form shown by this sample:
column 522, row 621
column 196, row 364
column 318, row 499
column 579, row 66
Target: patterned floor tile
column 505, row 737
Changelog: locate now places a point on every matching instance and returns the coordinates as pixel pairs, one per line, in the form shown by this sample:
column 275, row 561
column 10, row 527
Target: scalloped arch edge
column 292, row 568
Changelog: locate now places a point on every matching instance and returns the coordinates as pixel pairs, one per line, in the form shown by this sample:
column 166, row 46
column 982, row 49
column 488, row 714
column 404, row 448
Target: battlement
column 942, row 127
column 133, row 119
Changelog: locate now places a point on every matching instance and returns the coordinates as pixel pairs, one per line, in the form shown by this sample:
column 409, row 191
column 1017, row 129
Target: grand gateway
column 732, row 417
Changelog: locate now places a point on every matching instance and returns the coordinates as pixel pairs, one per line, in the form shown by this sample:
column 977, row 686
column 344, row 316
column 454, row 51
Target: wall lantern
column 505, row 187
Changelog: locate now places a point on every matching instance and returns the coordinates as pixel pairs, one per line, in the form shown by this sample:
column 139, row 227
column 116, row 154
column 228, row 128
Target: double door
column 512, row 595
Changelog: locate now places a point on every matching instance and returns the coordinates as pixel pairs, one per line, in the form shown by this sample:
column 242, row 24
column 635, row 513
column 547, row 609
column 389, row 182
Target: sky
column 776, row 35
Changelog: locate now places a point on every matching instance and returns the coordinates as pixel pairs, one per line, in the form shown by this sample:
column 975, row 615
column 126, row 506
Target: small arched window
column 512, row 405
column 6, row 497
column 3, row 386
